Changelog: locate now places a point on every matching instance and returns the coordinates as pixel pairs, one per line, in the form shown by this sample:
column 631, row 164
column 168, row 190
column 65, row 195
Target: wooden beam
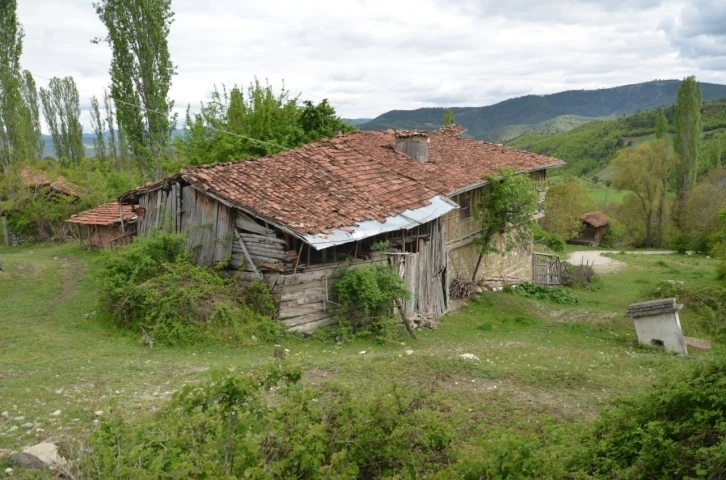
column 247, row 254
column 121, row 217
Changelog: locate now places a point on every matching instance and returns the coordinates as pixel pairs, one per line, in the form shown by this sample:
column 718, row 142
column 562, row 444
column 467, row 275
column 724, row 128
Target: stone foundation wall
column 516, row 263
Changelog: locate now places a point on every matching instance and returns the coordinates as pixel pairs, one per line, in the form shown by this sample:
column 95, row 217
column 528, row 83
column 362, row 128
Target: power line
column 164, row 114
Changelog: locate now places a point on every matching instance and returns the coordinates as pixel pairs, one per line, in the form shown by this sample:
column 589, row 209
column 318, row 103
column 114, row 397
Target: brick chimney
column 414, row 145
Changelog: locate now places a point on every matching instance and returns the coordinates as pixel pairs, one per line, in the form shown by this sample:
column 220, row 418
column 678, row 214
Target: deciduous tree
column 16, row 127
column 141, row 74
column 640, row 170
column 506, row 214
column 687, row 140
column 32, row 103
column 565, row 205
column 61, row 107
column 98, row 124
column 661, row 133
column 237, row 124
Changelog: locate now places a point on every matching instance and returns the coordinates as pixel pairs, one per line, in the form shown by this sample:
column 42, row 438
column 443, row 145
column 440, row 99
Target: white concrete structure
column 657, row 324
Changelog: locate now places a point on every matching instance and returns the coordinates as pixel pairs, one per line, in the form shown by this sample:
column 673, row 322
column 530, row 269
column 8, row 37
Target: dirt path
column 601, row 263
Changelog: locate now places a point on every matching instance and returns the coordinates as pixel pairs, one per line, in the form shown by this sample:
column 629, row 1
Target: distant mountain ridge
column 487, row 123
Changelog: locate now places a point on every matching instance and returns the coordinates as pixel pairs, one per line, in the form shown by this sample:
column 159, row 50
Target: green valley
column 589, row 148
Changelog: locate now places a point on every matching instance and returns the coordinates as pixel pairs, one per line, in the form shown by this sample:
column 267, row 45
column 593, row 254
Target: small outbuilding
column 594, row 228
column 106, row 226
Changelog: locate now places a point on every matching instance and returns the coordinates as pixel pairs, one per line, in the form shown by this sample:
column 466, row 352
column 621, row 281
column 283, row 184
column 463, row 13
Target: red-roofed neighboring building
column 594, row 228
column 295, row 217
column 106, row 226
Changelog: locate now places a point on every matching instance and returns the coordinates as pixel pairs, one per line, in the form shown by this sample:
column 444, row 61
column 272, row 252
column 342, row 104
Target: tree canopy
column 565, row 205
column 141, row 72
column 640, row 170
column 237, row 124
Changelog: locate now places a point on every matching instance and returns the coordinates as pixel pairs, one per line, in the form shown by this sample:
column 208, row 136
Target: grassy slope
column 540, row 361
column 563, row 123
column 590, row 148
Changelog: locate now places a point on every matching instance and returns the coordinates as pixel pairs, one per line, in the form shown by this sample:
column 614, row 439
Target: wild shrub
column 151, row 286
column 580, row 276
column 552, row 241
column 228, row 427
column 366, row 296
column 676, row 430
column 542, row 292
column 708, row 301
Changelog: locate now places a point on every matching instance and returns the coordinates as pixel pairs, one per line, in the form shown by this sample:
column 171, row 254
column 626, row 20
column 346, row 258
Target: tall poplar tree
column 98, row 124
column 110, row 123
column 61, row 107
column 32, row 103
column 16, row 141
column 661, row 125
column 141, row 72
column 688, row 127
column 661, row 135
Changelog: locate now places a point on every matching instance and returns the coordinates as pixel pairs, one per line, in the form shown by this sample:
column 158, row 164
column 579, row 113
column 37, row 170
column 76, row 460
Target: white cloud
column 371, row 56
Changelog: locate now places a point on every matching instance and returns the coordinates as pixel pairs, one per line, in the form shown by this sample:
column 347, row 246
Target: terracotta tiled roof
column 596, row 219
column 107, row 214
column 34, row 178
column 355, row 177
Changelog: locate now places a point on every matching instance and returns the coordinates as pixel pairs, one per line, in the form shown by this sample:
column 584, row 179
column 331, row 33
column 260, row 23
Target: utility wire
column 164, row 114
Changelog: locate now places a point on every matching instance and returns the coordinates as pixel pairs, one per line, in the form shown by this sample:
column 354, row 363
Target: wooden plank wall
column 458, row 228
column 303, row 305
column 209, row 225
column 262, row 244
column 425, row 274
column 163, row 210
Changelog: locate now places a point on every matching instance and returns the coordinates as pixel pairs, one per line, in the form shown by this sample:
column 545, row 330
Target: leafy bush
column 676, row 430
column 552, row 241
column 708, row 301
column 366, row 295
column 152, row 286
column 541, row 292
column 228, row 428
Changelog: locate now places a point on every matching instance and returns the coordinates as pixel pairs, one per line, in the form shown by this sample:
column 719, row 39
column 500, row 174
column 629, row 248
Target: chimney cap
column 402, row 134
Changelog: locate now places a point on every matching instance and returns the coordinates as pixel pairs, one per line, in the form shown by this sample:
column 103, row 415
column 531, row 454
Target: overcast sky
column 371, row 56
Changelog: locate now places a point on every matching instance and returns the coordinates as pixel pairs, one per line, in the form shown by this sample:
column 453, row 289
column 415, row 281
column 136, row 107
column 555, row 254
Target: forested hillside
column 486, row 122
column 590, row 148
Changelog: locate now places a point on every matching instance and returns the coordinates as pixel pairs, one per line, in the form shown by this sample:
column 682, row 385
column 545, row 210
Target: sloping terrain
column 539, row 362
column 535, row 109
column 590, row 148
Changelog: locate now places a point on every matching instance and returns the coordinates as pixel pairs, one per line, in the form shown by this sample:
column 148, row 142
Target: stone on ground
column 469, row 356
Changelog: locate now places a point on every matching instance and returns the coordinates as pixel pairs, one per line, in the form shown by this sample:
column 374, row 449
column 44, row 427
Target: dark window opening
column 464, row 205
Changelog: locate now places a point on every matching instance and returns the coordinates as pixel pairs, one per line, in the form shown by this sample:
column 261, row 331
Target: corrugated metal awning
column 439, row 206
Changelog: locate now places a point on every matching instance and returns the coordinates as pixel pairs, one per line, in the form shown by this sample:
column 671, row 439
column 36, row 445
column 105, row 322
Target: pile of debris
column 498, row 282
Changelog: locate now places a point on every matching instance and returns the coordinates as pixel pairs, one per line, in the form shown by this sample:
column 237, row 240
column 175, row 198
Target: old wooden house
column 405, row 198
column 106, row 226
column 594, row 228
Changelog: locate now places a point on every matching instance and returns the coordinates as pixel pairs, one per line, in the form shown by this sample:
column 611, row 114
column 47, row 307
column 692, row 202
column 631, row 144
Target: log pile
column 258, row 248
column 461, row 287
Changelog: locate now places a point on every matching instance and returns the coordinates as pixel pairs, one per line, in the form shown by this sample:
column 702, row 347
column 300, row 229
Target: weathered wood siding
column 304, row 297
column 425, row 274
column 257, row 247
column 458, row 228
column 163, row 210
column 209, row 225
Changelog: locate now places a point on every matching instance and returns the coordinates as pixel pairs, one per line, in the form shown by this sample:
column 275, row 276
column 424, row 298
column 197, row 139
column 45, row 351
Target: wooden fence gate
column 546, row 269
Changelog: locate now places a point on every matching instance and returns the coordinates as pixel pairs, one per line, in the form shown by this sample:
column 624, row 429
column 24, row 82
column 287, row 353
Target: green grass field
column 540, row 362
column 598, row 191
